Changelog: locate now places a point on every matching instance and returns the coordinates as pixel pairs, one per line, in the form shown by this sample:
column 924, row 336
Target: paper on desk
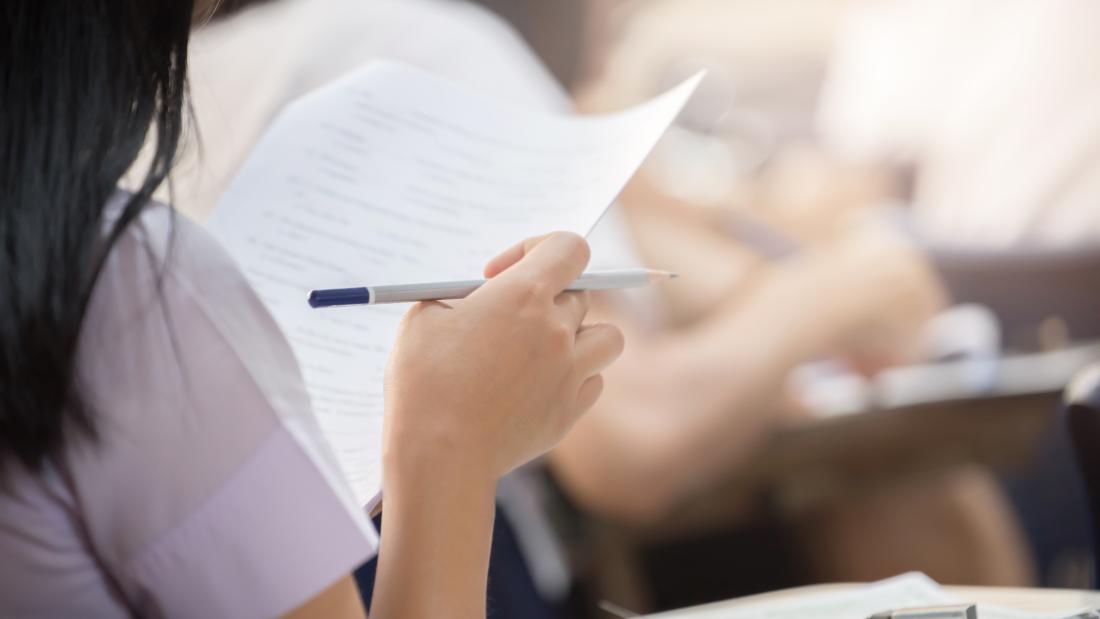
column 391, row 175
column 905, row 591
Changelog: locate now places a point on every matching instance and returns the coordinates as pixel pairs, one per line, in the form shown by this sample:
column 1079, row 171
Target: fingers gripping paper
column 391, row 175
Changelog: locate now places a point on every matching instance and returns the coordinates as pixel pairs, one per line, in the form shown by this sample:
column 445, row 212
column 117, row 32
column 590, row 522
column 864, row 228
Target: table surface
column 1050, row 600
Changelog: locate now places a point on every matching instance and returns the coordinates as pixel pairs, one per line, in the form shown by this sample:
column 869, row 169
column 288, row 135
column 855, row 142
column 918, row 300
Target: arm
column 684, row 408
column 434, row 556
column 474, row 388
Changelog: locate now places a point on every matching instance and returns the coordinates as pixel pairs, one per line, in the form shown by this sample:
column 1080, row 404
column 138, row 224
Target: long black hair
column 83, row 83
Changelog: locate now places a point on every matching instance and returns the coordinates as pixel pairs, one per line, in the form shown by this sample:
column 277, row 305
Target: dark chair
column 1083, row 422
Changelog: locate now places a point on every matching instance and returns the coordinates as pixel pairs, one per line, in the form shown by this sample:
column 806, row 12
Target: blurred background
column 886, row 215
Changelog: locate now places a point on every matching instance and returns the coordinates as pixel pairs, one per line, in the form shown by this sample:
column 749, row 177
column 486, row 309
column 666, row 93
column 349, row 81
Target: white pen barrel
column 410, row 293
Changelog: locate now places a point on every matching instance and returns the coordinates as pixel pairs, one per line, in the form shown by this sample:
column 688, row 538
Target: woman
column 157, row 454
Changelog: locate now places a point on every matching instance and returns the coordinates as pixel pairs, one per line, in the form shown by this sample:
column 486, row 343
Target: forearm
column 474, row 389
column 704, row 399
column 706, row 394
column 636, row 460
column 434, row 555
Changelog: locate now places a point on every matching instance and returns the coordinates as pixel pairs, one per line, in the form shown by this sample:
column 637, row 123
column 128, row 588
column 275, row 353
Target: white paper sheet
column 391, row 175
column 905, row 591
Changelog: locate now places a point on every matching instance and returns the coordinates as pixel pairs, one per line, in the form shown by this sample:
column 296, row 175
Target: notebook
column 905, row 591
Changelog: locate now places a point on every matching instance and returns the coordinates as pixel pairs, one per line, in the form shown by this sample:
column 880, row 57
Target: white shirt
column 209, row 491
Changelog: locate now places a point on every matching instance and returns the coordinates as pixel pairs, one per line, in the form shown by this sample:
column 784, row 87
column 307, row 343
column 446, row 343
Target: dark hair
column 82, row 84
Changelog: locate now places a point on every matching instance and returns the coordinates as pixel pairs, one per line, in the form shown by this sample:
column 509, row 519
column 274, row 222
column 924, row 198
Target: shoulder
column 167, row 271
column 174, row 336
column 174, row 331
column 171, row 244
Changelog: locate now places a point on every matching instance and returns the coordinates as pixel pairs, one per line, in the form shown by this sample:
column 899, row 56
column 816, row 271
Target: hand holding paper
column 392, row 176
column 468, row 353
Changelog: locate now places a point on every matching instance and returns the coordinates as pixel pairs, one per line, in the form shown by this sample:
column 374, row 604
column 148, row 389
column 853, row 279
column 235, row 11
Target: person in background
column 974, row 122
column 990, row 108
column 158, row 454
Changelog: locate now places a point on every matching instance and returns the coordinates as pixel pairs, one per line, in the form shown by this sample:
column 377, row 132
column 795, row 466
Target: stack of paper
column 905, row 591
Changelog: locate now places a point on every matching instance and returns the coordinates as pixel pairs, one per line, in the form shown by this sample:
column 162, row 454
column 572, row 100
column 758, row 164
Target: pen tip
column 656, row 274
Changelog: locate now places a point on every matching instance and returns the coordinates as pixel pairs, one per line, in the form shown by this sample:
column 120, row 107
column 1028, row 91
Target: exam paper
column 391, row 175
column 905, row 591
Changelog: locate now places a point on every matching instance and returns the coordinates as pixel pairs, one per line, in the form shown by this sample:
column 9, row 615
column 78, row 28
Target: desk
column 1049, row 600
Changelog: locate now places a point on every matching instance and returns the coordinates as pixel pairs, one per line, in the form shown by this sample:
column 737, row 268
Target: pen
column 956, row 611
column 437, row 291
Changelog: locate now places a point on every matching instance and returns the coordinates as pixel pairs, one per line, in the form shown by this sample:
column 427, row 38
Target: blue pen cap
column 339, row 296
